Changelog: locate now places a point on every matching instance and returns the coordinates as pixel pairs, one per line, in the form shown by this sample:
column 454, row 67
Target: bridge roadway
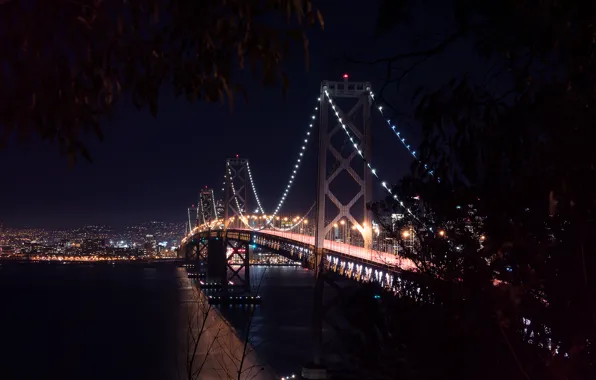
column 382, row 258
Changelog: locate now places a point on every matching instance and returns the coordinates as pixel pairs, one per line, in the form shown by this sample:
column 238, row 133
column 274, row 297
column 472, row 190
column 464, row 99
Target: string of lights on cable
column 260, row 207
column 402, row 139
column 293, row 174
column 254, row 190
column 399, row 136
column 372, row 170
column 242, row 217
column 298, row 222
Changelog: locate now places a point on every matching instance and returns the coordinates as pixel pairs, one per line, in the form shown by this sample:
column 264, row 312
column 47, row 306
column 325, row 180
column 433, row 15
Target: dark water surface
column 123, row 321
column 280, row 329
column 87, row 322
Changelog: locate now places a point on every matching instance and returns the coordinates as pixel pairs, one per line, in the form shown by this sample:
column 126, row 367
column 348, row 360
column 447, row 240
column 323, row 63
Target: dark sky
column 151, row 168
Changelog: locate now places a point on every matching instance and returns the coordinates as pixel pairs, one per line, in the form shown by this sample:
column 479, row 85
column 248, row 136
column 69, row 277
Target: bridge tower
column 358, row 120
column 361, row 129
column 207, row 210
column 192, row 224
column 236, row 189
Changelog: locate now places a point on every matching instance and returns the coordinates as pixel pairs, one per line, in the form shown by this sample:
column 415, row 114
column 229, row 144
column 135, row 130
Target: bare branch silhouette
column 244, row 360
column 212, row 348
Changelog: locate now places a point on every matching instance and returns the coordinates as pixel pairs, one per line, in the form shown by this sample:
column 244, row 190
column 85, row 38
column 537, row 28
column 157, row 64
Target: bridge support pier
column 221, row 267
column 186, row 252
column 316, row 370
column 238, row 262
column 203, row 251
column 216, row 262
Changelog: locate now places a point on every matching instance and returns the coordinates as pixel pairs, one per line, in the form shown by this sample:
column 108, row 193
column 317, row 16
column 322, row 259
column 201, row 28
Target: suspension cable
column 372, row 170
column 293, row 173
column 402, row 139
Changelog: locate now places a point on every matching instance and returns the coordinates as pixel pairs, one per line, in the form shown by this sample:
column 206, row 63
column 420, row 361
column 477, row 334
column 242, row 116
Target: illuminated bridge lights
column 234, row 300
column 242, row 216
column 360, row 153
column 252, row 185
column 195, row 274
column 368, row 267
column 399, row 137
column 293, row 174
column 218, row 285
column 298, row 221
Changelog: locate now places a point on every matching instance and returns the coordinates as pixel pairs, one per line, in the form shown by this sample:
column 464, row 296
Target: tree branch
column 428, row 52
column 519, row 365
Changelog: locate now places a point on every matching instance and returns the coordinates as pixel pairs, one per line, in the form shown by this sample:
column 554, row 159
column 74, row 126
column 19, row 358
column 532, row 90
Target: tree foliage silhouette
column 512, row 137
column 66, row 63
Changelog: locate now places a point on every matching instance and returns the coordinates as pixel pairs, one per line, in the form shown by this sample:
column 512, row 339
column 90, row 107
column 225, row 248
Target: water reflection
column 280, row 328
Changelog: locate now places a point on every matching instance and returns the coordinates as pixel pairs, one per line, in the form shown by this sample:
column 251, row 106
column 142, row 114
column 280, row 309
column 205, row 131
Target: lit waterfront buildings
column 93, row 241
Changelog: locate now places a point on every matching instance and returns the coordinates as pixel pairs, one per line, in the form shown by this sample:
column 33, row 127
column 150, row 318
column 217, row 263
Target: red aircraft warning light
column 236, row 156
column 345, row 76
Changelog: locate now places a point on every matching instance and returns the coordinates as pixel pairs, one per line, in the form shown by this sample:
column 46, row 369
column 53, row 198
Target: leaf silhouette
column 64, row 76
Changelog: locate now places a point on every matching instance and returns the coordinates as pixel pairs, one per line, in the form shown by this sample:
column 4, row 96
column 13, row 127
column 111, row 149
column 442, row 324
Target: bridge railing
column 341, row 239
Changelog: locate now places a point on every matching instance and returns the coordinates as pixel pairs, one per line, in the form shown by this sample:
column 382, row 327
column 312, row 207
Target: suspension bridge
column 348, row 239
column 332, row 235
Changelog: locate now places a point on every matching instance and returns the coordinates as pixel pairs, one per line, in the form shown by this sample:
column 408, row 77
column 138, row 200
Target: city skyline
column 171, row 230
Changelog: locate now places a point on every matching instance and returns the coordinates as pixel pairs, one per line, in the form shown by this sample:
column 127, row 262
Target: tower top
column 345, row 88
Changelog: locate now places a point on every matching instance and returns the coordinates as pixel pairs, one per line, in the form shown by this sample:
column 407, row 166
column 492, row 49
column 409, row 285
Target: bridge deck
column 348, row 250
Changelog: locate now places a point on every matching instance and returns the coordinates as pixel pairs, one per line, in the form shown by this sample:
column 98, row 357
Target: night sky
column 152, row 168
